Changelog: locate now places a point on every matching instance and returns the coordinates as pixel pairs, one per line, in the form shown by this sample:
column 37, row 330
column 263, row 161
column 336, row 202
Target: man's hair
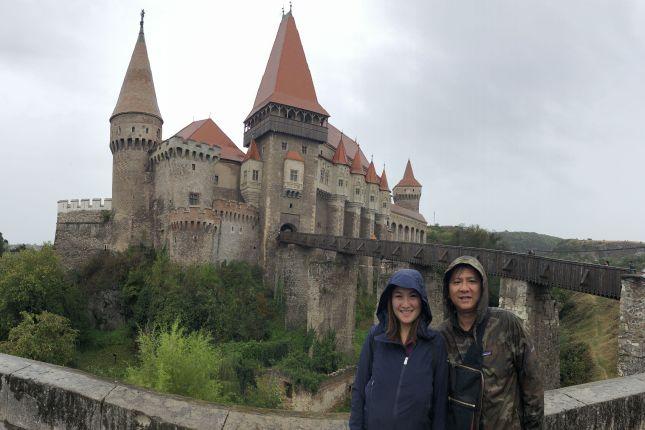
column 393, row 331
column 459, row 268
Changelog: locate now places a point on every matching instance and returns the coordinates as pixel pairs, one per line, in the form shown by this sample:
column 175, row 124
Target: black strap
column 474, row 354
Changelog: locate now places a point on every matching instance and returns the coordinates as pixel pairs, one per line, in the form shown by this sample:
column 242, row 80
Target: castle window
column 322, row 175
column 371, row 198
column 119, row 129
column 294, row 175
column 256, row 175
column 193, row 167
column 216, row 179
column 290, row 205
column 146, row 129
column 132, row 129
column 244, row 175
column 193, row 199
column 304, row 149
column 358, row 191
column 340, row 182
column 384, row 204
column 158, row 133
column 284, row 146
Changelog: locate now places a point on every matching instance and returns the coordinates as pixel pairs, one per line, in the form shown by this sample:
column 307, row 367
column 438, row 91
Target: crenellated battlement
column 176, row 147
column 95, row 204
column 235, row 211
column 193, row 217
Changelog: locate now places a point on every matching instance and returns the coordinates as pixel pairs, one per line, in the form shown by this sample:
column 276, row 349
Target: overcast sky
column 516, row 115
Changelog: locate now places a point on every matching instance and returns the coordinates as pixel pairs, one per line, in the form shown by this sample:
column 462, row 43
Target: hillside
column 522, row 241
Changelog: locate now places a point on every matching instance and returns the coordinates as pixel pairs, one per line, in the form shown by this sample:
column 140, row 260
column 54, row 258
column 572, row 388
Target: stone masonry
column 631, row 335
column 535, row 306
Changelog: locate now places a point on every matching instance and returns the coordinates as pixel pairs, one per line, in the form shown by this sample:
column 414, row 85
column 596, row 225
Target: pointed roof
column 408, row 178
column 383, row 186
column 357, row 166
column 206, row 131
column 335, row 136
column 340, row 157
column 287, row 79
column 252, row 153
column 370, row 176
column 293, row 155
column 138, row 89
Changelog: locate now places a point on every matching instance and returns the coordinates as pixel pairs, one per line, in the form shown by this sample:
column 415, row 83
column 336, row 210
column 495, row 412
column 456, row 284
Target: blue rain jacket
column 391, row 391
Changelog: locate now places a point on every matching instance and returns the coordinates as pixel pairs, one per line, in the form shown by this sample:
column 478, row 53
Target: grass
column 107, row 353
column 594, row 321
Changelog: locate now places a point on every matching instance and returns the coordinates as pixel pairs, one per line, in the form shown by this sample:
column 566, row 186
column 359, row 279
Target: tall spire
column 370, row 176
column 340, row 156
column 138, row 89
column 408, row 178
column 383, row 186
column 357, row 165
column 287, row 79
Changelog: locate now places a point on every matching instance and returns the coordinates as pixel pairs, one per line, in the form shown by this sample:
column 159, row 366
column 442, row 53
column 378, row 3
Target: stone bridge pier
column 319, row 291
column 631, row 332
column 535, row 306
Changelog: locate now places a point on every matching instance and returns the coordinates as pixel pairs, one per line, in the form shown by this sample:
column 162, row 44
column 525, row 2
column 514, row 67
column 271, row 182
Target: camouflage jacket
column 513, row 393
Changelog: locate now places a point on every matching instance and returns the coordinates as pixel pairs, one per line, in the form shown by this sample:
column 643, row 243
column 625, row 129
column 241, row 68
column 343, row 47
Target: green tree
column 44, row 337
column 34, row 281
column 4, row 245
column 174, row 361
column 576, row 363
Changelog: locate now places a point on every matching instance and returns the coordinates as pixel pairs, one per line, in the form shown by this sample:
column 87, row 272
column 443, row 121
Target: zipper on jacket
column 398, row 388
column 470, row 405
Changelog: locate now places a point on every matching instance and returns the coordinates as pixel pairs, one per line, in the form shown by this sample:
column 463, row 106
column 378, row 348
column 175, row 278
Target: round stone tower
column 407, row 192
column 135, row 127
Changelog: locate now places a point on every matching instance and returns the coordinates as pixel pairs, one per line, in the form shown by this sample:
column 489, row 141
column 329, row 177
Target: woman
column 401, row 379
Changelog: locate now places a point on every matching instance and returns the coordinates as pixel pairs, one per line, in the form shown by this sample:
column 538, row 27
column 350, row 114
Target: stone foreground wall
column 35, row 395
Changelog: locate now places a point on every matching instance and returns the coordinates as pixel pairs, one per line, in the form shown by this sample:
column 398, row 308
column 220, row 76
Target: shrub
column 34, row 281
column 576, row 363
column 174, row 361
column 44, row 337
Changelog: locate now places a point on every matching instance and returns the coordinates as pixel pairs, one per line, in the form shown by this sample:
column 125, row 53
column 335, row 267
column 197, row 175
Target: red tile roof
column 409, row 213
column 293, row 155
column 371, row 176
column 138, row 89
column 287, row 79
column 383, row 186
column 408, row 178
column 340, row 156
column 335, row 136
column 357, row 166
column 252, row 153
column 206, row 131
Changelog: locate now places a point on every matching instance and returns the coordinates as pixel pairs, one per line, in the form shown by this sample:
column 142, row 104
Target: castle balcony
column 284, row 121
column 95, row 204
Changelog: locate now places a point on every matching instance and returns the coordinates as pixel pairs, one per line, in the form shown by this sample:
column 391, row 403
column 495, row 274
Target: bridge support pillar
column 380, row 227
column 336, row 215
column 319, row 290
column 352, row 224
column 366, row 264
column 631, row 333
column 535, row 306
column 434, row 290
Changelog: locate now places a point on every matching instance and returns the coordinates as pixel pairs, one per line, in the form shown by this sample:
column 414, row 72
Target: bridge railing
column 588, row 278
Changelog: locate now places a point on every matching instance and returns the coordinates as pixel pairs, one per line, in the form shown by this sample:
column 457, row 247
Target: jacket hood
column 404, row 278
column 482, row 305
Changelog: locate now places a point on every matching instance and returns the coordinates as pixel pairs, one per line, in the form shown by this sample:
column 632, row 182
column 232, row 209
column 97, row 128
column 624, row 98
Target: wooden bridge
column 587, row 278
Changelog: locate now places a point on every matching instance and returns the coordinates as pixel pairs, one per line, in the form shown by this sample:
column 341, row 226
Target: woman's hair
column 393, row 330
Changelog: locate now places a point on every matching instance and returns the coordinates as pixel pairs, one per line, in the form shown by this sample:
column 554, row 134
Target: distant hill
column 523, row 241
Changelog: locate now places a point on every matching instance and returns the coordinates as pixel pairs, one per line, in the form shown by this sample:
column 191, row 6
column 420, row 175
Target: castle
column 200, row 197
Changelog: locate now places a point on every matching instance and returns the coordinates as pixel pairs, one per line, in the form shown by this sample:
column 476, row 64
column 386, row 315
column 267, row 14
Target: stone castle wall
column 239, row 233
column 35, row 395
column 80, row 234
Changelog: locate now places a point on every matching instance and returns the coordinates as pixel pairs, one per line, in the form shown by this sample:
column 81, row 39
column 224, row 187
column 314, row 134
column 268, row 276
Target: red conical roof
column 357, row 166
column 138, row 89
column 252, row 153
column 408, row 178
column 370, row 176
column 340, row 157
column 287, row 79
column 383, row 186
column 293, row 155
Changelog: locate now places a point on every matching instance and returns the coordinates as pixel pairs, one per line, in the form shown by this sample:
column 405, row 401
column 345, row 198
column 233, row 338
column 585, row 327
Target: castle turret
column 251, row 179
column 407, row 192
column 135, row 127
column 383, row 211
column 286, row 119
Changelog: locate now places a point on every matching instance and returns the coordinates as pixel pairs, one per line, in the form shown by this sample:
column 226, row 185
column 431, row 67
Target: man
column 494, row 341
